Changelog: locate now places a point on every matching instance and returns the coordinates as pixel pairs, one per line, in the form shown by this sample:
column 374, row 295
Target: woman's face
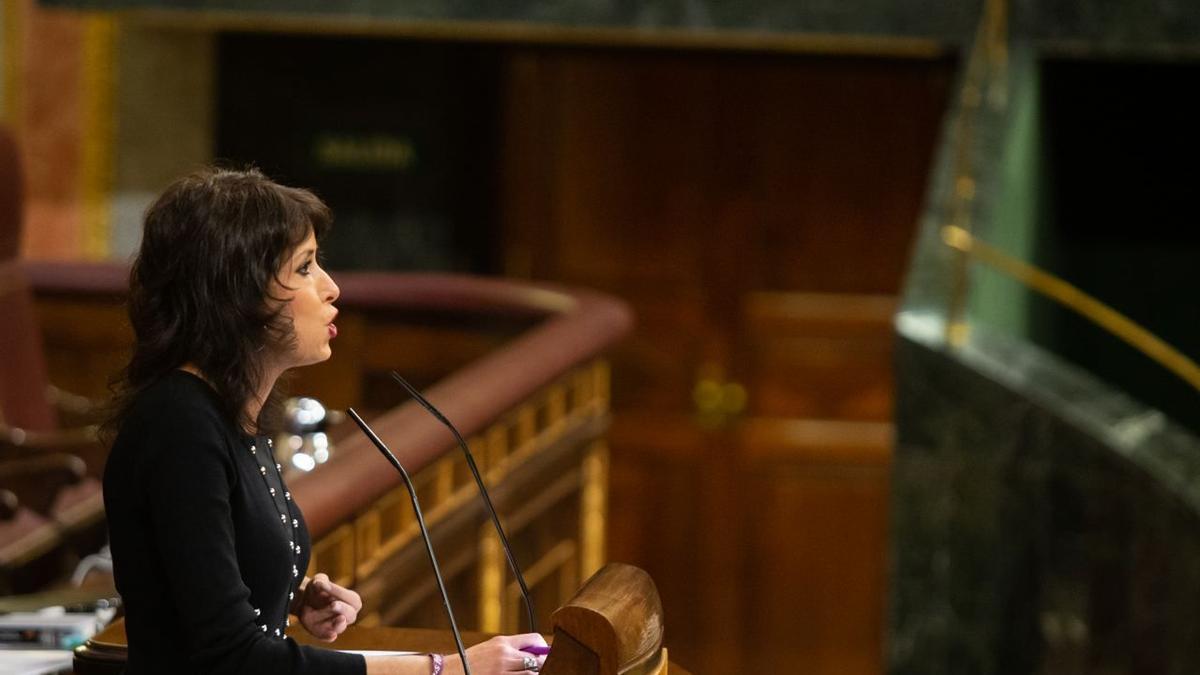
column 309, row 294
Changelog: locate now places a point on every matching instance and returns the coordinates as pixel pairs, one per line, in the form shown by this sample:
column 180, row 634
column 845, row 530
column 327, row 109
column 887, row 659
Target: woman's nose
column 332, row 291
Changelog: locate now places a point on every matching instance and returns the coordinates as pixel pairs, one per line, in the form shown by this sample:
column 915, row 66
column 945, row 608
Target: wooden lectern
column 613, row 625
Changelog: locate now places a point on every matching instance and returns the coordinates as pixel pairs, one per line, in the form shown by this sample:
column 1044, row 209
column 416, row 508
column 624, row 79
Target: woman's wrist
column 408, row 664
column 452, row 664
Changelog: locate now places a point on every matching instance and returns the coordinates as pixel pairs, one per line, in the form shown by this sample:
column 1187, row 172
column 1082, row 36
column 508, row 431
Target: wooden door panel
column 818, row 355
column 816, row 504
column 656, row 496
column 817, row 567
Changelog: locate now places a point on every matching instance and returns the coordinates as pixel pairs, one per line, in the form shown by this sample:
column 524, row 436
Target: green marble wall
column 939, row 19
column 1017, row 218
column 1112, row 26
column 1043, row 521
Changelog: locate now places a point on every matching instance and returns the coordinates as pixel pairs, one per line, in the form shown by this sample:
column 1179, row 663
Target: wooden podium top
column 613, row 626
column 105, row 652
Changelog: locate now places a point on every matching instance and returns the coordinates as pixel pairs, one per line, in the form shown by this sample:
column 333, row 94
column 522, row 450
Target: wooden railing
column 534, row 411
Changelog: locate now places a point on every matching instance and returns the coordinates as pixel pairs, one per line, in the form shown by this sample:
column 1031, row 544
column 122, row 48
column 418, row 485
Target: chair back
column 23, row 376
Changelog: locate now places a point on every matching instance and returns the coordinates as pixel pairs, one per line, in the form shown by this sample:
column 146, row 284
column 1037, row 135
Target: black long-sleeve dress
column 208, row 547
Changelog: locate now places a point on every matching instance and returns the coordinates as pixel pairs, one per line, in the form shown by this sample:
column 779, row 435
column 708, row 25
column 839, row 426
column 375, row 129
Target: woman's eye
column 304, row 268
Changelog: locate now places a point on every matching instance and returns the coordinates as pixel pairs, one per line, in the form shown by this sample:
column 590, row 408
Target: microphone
column 483, row 492
column 412, row 492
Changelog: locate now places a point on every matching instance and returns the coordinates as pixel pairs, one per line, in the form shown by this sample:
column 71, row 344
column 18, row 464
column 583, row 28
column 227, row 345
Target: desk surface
column 112, row 640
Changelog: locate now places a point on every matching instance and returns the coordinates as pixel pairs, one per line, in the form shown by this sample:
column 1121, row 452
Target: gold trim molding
column 96, row 175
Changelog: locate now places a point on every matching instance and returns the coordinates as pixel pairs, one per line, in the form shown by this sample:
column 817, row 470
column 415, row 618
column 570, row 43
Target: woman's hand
column 501, row 654
column 326, row 609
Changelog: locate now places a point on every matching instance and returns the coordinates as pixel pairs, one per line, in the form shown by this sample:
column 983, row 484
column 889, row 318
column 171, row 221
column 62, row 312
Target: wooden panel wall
column 757, row 211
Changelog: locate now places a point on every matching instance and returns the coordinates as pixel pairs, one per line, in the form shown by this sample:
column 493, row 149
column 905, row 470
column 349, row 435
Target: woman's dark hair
column 200, row 287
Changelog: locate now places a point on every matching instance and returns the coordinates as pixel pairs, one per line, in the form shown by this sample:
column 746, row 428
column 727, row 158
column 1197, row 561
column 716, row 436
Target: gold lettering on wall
column 376, row 152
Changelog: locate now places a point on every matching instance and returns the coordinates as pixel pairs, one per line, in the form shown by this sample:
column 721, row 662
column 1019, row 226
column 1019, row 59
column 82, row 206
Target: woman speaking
column 209, row 549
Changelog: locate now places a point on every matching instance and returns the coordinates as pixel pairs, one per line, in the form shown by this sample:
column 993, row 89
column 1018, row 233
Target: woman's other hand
column 326, row 609
column 501, row 654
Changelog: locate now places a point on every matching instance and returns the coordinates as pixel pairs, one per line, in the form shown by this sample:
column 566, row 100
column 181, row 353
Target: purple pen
column 536, row 650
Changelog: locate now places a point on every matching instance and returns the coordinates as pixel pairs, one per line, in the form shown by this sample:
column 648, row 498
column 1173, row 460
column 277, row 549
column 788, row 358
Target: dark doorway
column 398, row 137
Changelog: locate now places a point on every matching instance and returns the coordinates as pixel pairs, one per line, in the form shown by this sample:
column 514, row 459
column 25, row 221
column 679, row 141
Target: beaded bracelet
column 438, row 663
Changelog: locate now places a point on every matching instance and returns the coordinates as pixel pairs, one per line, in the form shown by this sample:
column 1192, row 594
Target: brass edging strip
column 987, row 63
column 1077, row 300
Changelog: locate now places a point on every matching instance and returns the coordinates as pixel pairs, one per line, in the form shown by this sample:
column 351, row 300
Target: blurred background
column 912, row 282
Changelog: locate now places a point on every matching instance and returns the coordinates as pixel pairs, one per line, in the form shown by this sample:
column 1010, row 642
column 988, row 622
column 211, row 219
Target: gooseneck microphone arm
column 483, row 492
column 412, row 492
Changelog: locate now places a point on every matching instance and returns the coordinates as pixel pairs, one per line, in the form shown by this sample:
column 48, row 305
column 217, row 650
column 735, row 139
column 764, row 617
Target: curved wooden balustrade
column 578, row 326
column 534, row 411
